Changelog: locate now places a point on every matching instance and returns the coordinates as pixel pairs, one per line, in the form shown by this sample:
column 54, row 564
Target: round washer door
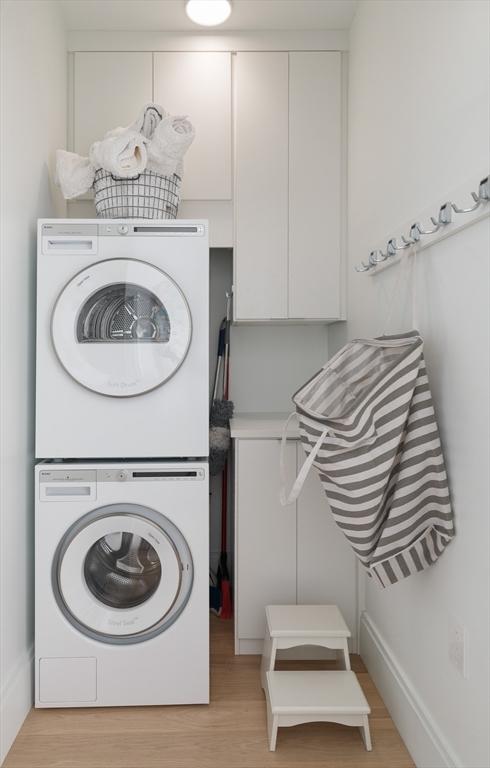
column 121, row 327
column 123, row 573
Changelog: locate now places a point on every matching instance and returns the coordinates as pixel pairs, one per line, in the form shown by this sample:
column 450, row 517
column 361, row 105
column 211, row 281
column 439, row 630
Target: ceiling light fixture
column 208, row 13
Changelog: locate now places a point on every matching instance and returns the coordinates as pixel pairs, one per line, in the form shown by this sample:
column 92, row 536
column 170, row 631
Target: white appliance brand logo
column 122, row 384
column 123, row 622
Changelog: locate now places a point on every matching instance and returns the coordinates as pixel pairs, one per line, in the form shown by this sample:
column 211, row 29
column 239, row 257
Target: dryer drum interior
column 123, row 312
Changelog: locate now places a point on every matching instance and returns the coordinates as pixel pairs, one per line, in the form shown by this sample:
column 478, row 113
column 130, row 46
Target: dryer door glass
column 121, row 327
column 122, row 573
column 123, row 313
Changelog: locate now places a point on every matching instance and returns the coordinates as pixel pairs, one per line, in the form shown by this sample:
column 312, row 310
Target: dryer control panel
column 172, row 228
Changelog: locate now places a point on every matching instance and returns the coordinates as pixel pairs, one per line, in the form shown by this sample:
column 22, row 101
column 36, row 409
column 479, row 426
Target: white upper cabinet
column 288, row 161
column 261, row 186
column 314, row 184
column 280, row 189
column 199, row 85
column 109, row 89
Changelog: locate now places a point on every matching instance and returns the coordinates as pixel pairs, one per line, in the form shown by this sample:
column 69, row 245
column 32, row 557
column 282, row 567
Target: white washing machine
column 121, row 584
column 122, row 339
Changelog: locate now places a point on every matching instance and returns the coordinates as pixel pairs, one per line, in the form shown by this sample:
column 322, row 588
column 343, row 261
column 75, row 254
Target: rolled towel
column 171, row 140
column 123, row 153
column 74, row 173
column 149, row 118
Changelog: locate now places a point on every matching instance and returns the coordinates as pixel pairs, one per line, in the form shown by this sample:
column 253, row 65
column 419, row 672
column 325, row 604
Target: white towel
column 74, row 174
column 122, row 153
column 171, row 140
column 149, row 118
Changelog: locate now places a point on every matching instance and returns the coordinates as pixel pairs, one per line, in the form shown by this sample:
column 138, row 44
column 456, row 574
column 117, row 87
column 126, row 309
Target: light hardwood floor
column 229, row 733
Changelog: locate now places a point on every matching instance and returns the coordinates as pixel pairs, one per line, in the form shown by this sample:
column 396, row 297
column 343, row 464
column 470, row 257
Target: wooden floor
column 229, row 733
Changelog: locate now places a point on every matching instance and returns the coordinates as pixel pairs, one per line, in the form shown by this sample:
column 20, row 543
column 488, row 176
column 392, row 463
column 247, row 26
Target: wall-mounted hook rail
column 362, row 267
column 477, row 204
column 444, row 217
column 376, row 257
column 445, row 213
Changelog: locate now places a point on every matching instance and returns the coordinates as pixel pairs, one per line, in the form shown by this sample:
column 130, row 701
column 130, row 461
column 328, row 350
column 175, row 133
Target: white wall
column 33, row 124
column 419, row 127
column 271, row 362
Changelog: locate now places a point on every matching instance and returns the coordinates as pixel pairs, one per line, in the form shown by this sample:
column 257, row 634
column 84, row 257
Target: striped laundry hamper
column 367, row 424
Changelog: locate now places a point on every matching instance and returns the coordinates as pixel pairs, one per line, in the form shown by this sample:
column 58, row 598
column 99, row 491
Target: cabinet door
column 261, row 186
column 326, row 563
column 314, row 184
column 199, row 85
column 109, row 89
column 266, row 534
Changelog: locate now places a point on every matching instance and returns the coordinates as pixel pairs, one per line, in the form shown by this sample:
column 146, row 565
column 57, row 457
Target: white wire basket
column 146, row 196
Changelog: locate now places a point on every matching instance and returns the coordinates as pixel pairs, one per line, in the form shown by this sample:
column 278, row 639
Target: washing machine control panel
column 67, row 476
column 144, row 474
column 67, row 485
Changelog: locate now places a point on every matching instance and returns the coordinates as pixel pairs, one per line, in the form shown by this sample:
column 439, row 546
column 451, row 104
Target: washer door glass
column 122, row 570
column 122, row 573
column 121, row 327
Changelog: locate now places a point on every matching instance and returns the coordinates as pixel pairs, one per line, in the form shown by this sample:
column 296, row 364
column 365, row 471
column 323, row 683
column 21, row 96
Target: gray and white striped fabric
column 368, row 424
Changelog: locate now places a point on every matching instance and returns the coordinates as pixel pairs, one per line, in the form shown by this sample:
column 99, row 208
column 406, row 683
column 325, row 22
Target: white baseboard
column 425, row 742
column 15, row 701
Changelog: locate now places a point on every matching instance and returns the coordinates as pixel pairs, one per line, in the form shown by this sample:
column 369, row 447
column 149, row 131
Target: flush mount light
column 208, row 13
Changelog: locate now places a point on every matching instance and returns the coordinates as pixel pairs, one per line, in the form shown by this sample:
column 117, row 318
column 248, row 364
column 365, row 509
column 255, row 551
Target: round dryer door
column 121, row 327
column 122, row 573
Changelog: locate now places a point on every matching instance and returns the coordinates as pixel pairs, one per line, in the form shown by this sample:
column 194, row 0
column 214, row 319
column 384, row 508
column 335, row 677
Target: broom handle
column 224, row 507
column 226, row 372
column 226, row 369
column 226, row 383
column 221, row 351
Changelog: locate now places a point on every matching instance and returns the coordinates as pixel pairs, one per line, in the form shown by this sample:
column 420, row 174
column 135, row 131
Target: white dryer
column 121, row 584
column 122, row 339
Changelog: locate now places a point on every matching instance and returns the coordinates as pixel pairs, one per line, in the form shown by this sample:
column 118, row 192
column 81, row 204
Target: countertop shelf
column 262, row 425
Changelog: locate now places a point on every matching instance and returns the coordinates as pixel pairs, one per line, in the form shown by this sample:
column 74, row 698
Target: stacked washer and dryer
column 122, row 530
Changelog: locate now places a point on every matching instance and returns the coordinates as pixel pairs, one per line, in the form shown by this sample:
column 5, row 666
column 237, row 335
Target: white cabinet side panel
column 266, row 534
column 261, row 185
column 326, row 563
column 199, row 85
column 314, row 184
column 110, row 89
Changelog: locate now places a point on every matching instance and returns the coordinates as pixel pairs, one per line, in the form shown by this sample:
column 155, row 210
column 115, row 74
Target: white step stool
column 288, row 626
column 304, row 697
column 310, row 696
